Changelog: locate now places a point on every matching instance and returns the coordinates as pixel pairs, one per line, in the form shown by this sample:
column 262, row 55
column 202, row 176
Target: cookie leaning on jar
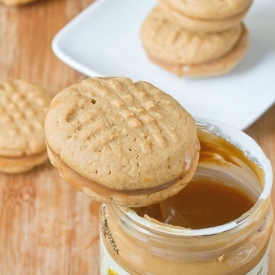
column 121, row 142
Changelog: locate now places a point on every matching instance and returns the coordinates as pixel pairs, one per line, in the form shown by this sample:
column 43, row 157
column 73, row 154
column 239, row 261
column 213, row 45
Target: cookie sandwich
column 23, row 107
column 188, row 53
column 120, row 141
column 205, row 15
column 14, row 3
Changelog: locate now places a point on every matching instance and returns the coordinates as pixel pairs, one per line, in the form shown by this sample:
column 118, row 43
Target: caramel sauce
column 201, row 204
column 205, row 202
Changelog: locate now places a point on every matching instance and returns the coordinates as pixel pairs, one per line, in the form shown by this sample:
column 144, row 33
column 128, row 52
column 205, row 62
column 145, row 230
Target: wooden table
column 46, row 227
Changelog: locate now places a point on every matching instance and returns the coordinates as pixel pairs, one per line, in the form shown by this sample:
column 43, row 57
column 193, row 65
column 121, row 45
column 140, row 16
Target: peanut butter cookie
column 16, row 2
column 23, row 108
column 189, row 53
column 209, row 9
column 200, row 24
column 121, row 142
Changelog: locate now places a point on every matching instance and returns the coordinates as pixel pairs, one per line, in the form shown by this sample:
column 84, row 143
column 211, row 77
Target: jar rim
column 251, row 150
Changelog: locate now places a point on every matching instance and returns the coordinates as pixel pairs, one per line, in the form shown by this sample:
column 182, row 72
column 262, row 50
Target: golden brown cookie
column 121, row 142
column 188, row 53
column 23, row 107
column 197, row 24
column 209, row 9
column 16, row 2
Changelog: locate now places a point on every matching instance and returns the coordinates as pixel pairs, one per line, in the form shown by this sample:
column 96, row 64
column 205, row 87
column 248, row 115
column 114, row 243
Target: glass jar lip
column 251, row 150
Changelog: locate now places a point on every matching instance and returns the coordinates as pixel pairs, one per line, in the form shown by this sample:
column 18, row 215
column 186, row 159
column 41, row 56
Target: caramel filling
column 229, row 57
column 232, row 17
column 78, row 182
column 9, row 161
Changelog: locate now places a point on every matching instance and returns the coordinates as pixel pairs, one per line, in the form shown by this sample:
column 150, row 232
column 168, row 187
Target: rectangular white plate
column 104, row 40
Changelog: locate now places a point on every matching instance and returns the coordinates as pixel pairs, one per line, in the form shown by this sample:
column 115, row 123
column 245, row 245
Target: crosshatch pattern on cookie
column 121, row 106
column 22, row 112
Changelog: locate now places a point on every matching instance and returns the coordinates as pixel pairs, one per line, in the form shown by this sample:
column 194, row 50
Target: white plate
column 104, row 40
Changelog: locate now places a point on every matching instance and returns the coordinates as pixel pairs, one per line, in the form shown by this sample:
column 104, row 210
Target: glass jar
column 131, row 244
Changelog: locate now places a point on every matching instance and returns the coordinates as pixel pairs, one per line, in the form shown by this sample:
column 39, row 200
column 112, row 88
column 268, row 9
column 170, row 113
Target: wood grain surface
column 46, row 227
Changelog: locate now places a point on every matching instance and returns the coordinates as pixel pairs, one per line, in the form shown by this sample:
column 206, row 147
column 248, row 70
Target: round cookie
column 209, row 9
column 200, row 25
column 121, row 142
column 23, row 107
column 16, row 2
column 188, row 53
column 174, row 44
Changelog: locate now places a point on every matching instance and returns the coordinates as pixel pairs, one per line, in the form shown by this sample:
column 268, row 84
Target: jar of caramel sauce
column 219, row 224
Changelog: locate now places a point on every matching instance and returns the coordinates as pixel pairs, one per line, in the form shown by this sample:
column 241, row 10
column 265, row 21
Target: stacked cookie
column 23, row 107
column 196, row 37
column 12, row 3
